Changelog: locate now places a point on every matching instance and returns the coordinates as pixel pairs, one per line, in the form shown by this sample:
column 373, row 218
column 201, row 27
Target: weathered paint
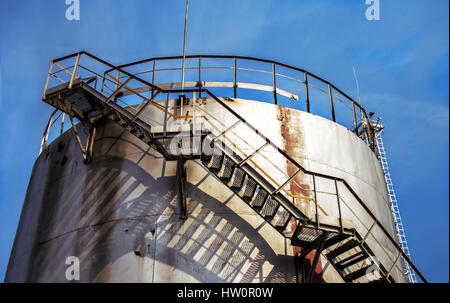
column 293, row 144
column 119, row 214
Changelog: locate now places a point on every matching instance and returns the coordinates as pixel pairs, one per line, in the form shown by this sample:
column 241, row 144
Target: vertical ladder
column 401, row 236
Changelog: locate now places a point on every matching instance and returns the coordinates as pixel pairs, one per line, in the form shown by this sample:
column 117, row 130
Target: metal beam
column 181, row 186
column 316, row 260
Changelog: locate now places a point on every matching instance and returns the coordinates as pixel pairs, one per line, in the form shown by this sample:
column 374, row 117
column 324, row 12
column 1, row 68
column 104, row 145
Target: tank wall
column 318, row 144
column 120, row 216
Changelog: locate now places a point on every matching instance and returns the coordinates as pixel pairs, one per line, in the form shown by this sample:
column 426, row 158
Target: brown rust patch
column 294, row 143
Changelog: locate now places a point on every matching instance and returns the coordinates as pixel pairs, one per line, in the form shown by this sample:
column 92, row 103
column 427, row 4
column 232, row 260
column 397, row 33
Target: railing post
column 235, row 78
column 369, row 133
column 165, row 115
column 368, row 232
column 331, row 103
column 74, row 71
column 200, row 75
column 153, row 76
column 307, row 92
column 393, row 265
column 338, row 204
column 48, row 78
column 315, row 200
column 103, row 82
column 118, row 80
column 194, row 114
column 274, row 81
column 354, row 118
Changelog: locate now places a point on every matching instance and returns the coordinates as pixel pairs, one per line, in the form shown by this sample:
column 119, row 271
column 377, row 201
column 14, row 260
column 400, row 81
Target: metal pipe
column 47, row 128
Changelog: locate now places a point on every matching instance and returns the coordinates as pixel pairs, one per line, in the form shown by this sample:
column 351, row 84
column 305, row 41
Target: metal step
column 352, row 243
column 335, row 240
column 237, row 178
column 216, row 162
column 281, row 219
column 357, row 274
column 305, row 235
column 347, row 262
column 248, row 189
column 226, row 170
column 260, row 197
column 270, row 207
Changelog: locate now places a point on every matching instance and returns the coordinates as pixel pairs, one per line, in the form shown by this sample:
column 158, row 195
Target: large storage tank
column 204, row 183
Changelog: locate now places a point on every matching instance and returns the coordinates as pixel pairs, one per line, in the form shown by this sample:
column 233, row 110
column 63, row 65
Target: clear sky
column 402, row 62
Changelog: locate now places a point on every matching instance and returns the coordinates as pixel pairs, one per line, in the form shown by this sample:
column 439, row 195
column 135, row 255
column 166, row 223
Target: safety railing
column 326, row 200
column 282, row 84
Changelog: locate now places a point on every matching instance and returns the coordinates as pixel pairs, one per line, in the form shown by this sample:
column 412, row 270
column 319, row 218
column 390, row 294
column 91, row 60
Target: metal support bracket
column 86, row 152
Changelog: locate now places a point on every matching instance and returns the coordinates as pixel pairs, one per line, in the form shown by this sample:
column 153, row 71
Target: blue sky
column 402, row 62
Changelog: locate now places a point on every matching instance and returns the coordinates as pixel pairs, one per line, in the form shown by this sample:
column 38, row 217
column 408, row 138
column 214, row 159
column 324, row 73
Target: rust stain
column 293, row 141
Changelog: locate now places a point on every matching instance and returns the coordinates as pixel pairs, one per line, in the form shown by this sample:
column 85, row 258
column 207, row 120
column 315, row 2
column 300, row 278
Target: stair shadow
column 118, row 209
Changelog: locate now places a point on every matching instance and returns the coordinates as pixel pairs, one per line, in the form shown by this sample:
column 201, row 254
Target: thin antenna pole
column 359, row 95
column 184, row 44
column 357, row 86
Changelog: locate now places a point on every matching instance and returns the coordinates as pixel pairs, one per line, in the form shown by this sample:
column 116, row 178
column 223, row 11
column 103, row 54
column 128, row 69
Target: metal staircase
column 275, row 209
column 343, row 245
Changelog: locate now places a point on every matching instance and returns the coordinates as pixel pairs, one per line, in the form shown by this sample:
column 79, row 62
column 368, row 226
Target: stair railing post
column 355, row 121
column 166, row 111
column 235, row 78
column 393, row 265
column 333, row 116
column 103, row 82
column 368, row 232
column 74, row 71
column 274, row 83
column 48, row 78
column 339, row 205
column 307, row 93
column 315, row 200
column 118, row 79
column 200, row 75
column 153, row 76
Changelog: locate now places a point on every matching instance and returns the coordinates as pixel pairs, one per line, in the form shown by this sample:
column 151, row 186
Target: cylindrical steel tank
column 119, row 214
